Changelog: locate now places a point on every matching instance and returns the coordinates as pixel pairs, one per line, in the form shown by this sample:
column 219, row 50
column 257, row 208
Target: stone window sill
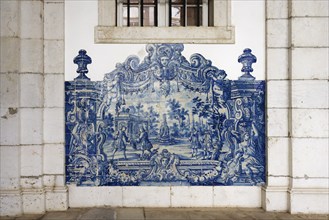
column 188, row 35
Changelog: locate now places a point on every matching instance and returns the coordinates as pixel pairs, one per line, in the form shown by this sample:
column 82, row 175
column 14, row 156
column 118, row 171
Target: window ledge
column 189, row 35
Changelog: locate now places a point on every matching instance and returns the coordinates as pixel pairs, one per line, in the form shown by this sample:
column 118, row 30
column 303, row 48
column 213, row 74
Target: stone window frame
column 220, row 32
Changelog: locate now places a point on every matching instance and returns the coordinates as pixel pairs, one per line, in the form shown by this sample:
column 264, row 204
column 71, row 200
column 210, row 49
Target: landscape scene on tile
column 165, row 120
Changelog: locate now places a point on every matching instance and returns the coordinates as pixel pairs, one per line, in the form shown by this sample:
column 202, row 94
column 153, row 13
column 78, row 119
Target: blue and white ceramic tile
column 165, row 121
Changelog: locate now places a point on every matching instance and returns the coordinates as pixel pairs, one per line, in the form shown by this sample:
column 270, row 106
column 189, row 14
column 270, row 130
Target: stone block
column 310, row 94
column 9, row 95
column 309, row 201
column 9, row 12
column 49, row 180
column 10, row 167
column 277, row 63
column 277, row 181
column 277, row 33
column 309, row 8
column 31, row 55
column 31, row 182
column 9, row 53
column 277, row 9
column 54, row 90
column 309, row 32
column 278, row 94
column 277, row 122
column 95, row 196
column 33, row 202
column 310, row 182
column 56, row 200
column 192, row 196
column 146, row 196
column 275, row 199
column 310, row 123
column 53, row 159
column 10, row 126
column 31, row 90
column 307, row 157
column 53, row 125
column 31, row 19
column 31, row 126
column 10, row 203
column 310, row 63
column 31, row 160
column 54, row 20
column 237, row 196
column 278, row 156
column 54, row 59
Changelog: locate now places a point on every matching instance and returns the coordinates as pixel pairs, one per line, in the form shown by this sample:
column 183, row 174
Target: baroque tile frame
column 229, row 149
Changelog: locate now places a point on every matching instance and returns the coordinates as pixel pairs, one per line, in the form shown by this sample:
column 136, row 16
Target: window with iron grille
column 164, row 21
column 178, row 13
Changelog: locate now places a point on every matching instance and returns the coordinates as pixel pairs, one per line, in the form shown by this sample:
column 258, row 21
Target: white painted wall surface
column 81, row 16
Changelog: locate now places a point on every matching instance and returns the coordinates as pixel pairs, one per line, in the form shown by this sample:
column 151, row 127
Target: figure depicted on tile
column 165, row 121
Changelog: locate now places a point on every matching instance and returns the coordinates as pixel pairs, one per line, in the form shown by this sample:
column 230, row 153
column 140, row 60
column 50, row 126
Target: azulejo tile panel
column 165, row 121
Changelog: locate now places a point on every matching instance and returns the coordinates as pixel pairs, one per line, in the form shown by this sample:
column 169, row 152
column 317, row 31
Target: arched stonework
column 165, row 121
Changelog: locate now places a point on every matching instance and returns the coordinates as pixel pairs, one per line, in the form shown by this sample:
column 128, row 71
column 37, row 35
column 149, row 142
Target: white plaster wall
column 248, row 17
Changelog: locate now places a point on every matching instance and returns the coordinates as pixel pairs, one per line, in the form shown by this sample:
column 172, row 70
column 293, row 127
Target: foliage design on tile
column 165, row 120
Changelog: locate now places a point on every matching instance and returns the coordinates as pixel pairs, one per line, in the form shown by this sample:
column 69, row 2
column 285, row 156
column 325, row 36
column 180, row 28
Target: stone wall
column 32, row 107
column 32, row 117
column 297, row 106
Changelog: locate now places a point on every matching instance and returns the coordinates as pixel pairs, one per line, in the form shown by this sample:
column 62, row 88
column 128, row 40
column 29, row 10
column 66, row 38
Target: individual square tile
column 278, row 94
column 31, row 125
column 54, row 90
column 310, row 94
column 143, row 196
column 191, row 196
column 10, row 54
column 31, row 90
column 310, row 123
column 31, row 160
column 10, row 126
column 9, row 12
column 310, row 63
column 31, row 19
column 54, row 20
column 53, row 159
column 9, row 92
column 317, row 32
column 53, row 125
column 31, row 53
column 53, row 56
column 277, row 33
column 237, row 196
column 277, row 122
column 10, row 167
